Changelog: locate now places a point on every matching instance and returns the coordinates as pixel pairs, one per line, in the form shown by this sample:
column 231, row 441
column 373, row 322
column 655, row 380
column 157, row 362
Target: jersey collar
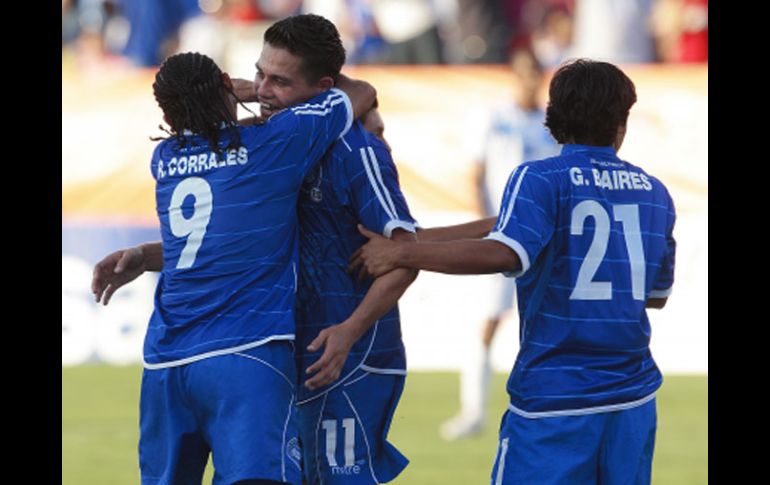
column 570, row 148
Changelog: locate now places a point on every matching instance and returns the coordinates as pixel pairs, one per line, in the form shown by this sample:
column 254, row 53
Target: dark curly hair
column 313, row 39
column 588, row 101
column 190, row 91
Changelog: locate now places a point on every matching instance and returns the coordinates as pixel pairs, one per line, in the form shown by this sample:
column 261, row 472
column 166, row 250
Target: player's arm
column 467, row 256
column 124, row 266
column 469, row 230
column 657, row 303
column 339, row 339
column 244, row 90
column 362, row 95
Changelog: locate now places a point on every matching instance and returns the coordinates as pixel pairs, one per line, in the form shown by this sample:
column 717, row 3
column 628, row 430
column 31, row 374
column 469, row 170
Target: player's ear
column 325, row 83
column 227, row 81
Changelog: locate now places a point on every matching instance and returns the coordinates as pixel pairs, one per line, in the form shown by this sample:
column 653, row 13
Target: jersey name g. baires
column 595, row 237
column 229, row 231
column 355, row 183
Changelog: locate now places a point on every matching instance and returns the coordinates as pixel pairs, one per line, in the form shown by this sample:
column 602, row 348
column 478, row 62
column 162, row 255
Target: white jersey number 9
column 193, row 228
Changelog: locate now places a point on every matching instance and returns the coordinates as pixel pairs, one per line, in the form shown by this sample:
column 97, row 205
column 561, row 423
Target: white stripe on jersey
column 346, row 144
column 582, row 412
column 517, row 247
column 320, row 111
column 378, row 370
column 216, row 353
column 338, row 96
column 660, row 293
column 512, row 199
column 376, row 165
column 374, row 185
column 335, row 96
column 398, row 224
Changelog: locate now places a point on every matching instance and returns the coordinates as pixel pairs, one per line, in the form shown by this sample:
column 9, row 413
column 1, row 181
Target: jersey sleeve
column 664, row 280
column 318, row 123
column 375, row 191
column 525, row 222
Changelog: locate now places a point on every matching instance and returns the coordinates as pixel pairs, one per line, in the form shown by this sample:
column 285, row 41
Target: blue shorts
column 608, row 448
column 344, row 432
column 238, row 406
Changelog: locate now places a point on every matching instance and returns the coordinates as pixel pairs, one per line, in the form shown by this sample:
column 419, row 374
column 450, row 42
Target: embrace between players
column 275, row 341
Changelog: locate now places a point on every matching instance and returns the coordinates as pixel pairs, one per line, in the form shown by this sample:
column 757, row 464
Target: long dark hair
column 190, row 91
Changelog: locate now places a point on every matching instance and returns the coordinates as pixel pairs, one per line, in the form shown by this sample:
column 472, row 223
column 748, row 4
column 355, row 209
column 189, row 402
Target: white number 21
column 193, row 228
column 628, row 216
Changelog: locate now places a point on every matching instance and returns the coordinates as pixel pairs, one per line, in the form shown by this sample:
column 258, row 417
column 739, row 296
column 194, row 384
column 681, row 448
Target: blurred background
column 441, row 68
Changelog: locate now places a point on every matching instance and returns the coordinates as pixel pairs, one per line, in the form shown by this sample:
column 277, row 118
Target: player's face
column 279, row 81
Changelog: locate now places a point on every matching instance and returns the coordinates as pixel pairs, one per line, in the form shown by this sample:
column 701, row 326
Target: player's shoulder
column 549, row 165
column 353, row 140
column 654, row 180
column 359, row 145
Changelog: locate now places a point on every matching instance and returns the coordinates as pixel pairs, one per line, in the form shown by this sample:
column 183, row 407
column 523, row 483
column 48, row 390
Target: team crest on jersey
column 293, row 452
column 312, row 184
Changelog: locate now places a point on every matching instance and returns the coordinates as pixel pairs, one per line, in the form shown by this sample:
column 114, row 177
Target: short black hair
column 588, row 101
column 190, row 91
column 312, row 38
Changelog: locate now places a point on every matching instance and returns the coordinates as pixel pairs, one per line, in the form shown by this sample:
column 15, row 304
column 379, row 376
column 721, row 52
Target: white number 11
column 330, row 426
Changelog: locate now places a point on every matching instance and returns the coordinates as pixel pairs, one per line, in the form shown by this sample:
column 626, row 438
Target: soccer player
column 589, row 238
column 343, row 426
column 218, row 355
column 344, row 421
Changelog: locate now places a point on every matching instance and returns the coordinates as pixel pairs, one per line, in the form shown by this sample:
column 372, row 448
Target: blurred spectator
column 485, row 29
column 681, row 28
column 514, row 133
column 411, row 29
column 278, row 9
column 69, row 21
column 358, row 28
column 94, row 29
column 616, row 31
column 552, row 33
column 154, row 28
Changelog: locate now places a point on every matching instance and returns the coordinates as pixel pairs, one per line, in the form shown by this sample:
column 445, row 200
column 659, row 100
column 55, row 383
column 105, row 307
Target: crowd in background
column 144, row 32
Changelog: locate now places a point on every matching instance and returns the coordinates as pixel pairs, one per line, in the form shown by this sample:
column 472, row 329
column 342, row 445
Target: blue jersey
column 355, row 183
column 594, row 234
column 229, row 230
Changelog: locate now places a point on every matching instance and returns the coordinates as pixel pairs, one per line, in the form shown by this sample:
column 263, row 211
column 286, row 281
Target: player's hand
column 115, row 270
column 337, row 340
column 376, row 257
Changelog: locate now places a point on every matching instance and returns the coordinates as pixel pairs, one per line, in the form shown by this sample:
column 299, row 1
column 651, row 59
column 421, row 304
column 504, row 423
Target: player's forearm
column 468, row 256
column 380, row 299
column 469, row 230
column 362, row 94
column 152, row 252
column 244, row 90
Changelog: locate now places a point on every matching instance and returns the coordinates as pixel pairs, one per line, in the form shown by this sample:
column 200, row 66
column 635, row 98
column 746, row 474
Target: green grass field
column 100, row 430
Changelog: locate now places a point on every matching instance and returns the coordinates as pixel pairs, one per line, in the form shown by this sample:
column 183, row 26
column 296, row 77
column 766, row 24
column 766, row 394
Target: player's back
column 355, row 183
column 607, row 246
column 229, row 230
